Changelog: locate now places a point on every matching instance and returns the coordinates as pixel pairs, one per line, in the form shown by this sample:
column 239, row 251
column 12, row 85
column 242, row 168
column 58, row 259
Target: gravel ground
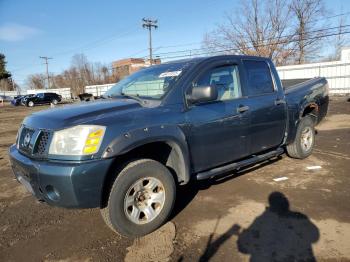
column 241, row 217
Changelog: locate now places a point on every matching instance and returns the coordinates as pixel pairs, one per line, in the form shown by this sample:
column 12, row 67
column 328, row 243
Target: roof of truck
column 200, row 59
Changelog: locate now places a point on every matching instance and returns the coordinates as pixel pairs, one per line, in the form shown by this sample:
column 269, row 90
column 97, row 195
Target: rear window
column 259, row 78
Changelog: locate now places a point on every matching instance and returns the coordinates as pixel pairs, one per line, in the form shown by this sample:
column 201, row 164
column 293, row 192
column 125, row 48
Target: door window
column 258, row 78
column 225, row 78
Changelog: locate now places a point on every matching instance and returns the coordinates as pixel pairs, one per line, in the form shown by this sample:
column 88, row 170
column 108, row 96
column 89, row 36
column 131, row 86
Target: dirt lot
column 240, row 217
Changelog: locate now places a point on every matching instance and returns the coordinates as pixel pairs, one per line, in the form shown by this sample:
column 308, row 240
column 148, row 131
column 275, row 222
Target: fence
column 337, row 73
column 9, row 93
column 98, row 90
column 64, row 92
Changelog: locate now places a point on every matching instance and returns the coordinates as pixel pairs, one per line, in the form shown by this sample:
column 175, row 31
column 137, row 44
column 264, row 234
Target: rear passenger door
column 266, row 105
column 47, row 98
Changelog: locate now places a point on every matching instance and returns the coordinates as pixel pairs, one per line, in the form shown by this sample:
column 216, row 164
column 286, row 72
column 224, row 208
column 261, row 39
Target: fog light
column 52, row 193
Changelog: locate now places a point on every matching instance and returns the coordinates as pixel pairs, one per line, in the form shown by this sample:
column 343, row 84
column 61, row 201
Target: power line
column 148, row 23
column 279, row 40
column 85, row 47
column 208, row 52
column 315, row 20
column 47, row 69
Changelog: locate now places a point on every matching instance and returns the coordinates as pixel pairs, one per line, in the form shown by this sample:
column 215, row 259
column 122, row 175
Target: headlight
column 78, row 140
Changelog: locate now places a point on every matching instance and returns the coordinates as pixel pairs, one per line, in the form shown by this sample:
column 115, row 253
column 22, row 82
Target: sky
column 105, row 31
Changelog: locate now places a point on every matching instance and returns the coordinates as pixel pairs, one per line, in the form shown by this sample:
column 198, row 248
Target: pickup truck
column 160, row 128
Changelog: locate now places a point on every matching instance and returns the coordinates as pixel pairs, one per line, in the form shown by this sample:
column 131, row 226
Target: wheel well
column 312, row 110
column 166, row 153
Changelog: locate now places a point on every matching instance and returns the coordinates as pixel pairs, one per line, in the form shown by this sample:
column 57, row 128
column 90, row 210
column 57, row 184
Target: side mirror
column 202, row 94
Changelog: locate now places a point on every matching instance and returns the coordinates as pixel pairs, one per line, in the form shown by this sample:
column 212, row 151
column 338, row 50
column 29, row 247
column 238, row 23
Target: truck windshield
column 150, row 83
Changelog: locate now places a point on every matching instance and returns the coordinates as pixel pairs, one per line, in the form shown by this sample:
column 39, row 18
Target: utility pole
column 148, row 23
column 47, row 69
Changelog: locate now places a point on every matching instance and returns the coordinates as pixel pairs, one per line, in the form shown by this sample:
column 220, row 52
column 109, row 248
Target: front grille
column 25, row 140
column 42, row 143
column 33, row 142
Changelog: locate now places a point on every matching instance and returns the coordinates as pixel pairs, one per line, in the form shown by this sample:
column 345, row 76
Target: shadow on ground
column 278, row 234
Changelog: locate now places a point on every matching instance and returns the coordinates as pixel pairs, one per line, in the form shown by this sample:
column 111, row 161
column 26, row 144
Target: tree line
column 81, row 73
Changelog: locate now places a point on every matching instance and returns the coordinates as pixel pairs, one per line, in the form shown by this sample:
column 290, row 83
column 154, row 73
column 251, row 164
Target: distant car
column 42, row 98
column 22, row 99
column 86, row 97
column 5, row 98
column 17, row 100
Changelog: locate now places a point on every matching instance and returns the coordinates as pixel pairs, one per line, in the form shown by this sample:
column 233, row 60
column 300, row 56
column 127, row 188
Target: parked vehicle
column 18, row 100
column 5, row 98
column 42, row 98
column 161, row 127
column 86, row 97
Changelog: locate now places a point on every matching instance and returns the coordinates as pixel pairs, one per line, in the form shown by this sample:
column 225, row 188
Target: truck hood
column 70, row 115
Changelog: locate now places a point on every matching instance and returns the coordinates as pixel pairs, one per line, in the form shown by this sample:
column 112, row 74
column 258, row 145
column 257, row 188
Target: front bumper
column 62, row 183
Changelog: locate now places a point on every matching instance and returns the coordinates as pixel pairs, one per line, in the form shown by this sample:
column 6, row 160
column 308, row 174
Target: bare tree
column 81, row 73
column 307, row 13
column 338, row 41
column 256, row 28
column 36, row 81
column 283, row 30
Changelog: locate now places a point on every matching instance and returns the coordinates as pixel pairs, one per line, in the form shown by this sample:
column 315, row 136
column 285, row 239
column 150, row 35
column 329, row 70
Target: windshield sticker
column 170, row 74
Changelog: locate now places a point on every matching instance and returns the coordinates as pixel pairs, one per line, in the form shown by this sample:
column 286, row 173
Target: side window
column 259, row 77
column 225, row 78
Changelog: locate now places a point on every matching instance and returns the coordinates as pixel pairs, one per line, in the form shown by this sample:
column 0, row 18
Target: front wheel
column 30, row 104
column 304, row 141
column 54, row 101
column 141, row 198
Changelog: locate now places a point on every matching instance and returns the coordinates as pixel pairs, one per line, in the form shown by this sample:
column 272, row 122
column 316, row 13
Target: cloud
column 16, row 32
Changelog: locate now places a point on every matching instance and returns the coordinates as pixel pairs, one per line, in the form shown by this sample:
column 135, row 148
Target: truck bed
column 299, row 93
column 288, row 83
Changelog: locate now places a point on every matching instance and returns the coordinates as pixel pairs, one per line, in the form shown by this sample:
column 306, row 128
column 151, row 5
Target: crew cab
column 42, row 98
column 160, row 128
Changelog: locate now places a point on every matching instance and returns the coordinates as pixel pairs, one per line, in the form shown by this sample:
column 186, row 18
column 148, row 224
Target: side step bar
column 247, row 162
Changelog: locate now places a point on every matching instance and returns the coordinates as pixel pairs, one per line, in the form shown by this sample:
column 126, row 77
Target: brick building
column 125, row 67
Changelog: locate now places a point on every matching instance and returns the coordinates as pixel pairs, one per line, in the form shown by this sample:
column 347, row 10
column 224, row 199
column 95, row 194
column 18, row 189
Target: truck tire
column 30, row 103
column 141, row 199
column 54, row 101
column 304, row 141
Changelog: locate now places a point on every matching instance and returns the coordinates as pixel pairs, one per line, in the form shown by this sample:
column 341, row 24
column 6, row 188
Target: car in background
column 16, row 101
column 42, row 98
column 5, row 98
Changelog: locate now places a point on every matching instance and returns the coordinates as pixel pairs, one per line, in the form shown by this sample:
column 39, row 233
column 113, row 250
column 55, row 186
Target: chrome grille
column 38, row 142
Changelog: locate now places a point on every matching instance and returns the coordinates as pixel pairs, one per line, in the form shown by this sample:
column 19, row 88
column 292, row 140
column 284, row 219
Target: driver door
column 218, row 129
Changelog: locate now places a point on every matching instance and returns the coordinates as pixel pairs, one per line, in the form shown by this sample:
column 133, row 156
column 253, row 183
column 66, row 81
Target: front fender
column 172, row 135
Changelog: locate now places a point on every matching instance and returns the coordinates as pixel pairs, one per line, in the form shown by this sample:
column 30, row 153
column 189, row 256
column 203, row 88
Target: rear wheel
column 54, row 101
column 141, row 198
column 304, row 141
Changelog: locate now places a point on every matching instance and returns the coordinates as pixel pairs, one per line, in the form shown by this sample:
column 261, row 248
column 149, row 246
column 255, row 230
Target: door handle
column 279, row 102
column 242, row 109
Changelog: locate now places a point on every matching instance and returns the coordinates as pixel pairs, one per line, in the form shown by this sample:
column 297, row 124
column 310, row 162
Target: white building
column 337, row 73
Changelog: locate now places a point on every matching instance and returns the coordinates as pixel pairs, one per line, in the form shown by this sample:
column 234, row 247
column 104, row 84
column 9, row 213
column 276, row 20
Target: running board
column 247, row 162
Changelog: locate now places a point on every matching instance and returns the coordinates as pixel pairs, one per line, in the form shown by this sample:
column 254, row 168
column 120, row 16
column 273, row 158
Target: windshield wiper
column 135, row 97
